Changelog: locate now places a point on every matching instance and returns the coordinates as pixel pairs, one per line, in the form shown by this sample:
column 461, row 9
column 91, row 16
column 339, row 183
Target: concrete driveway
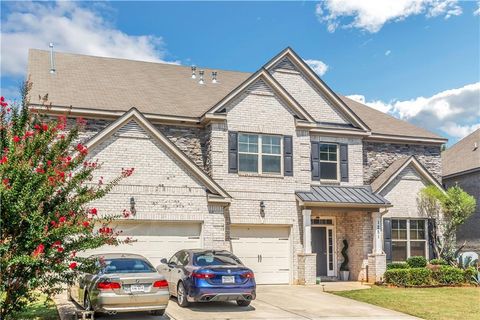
column 278, row 302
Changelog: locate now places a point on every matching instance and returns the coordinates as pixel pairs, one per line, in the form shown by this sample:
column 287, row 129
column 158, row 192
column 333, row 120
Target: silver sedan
column 123, row 283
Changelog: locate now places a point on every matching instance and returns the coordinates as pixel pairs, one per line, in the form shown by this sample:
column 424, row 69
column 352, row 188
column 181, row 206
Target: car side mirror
column 164, row 261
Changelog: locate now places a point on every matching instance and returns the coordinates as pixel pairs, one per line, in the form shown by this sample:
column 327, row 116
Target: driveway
column 278, row 302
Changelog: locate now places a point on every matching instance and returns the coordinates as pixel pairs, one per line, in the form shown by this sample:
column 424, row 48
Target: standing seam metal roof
column 342, row 195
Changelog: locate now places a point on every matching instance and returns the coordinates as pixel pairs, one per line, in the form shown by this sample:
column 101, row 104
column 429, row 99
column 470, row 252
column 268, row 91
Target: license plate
column 228, row 279
column 137, row 288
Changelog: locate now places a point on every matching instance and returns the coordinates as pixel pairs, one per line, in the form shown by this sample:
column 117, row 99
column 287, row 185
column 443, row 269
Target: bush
column 398, row 277
column 449, row 275
column 437, row 262
column 417, row 262
column 397, row 265
column 419, row 277
column 471, row 275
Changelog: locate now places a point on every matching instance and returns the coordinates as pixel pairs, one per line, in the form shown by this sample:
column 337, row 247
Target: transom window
column 409, row 238
column 267, row 159
column 329, row 161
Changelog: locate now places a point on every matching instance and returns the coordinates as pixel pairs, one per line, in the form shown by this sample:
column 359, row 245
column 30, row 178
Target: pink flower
column 93, row 211
column 72, row 265
column 38, row 251
column 16, row 139
column 4, row 160
column 86, row 224
column 62, row 219
column 2, row 102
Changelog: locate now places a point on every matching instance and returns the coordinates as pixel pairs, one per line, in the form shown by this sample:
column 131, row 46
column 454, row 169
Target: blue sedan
column 199, row 275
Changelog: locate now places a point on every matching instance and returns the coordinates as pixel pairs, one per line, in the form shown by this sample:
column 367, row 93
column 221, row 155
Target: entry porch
column 332, row 215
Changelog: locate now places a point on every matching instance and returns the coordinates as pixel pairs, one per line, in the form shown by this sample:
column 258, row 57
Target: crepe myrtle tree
column 449, row 209
column 46, row 192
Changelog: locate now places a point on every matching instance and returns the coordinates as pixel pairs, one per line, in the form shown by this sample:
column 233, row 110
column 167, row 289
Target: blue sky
column 417, row 60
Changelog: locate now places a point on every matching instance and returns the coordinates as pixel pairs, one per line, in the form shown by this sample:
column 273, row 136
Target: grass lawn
column 42, row 309
column 428, row 303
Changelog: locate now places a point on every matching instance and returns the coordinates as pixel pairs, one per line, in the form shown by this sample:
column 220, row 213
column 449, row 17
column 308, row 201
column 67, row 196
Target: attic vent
column 194, row 69
column 52, row 59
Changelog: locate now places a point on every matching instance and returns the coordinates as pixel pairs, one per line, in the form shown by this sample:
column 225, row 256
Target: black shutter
column 387, row 238
column 344, row 162
column 287, row 156
column 431, row 239
column 315, row 160
column 232, row 152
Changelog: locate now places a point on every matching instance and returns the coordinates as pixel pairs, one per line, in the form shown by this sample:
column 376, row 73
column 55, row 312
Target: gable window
column 259, row 153
column 329, row 161
column 409, row 238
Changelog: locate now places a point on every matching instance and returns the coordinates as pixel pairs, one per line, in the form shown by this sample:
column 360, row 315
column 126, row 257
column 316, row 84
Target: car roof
column 118, row 256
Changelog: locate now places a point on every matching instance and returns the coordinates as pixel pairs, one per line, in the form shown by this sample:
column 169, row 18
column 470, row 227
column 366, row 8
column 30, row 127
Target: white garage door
column 155, row 239
column 266, row 250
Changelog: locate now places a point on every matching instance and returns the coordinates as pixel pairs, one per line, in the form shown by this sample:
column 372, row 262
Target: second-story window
column 259, row 153
column 329, row 161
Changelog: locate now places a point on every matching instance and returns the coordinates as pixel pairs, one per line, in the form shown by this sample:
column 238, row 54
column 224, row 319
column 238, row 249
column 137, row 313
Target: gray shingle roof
column 462, row 156
column 361, row 195
column 110, row 84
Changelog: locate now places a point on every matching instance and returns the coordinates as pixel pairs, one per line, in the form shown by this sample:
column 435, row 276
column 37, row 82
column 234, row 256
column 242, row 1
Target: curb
column 66, row 309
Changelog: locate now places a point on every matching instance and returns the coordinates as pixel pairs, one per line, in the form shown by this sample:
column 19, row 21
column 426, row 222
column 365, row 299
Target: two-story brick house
column 273, row 165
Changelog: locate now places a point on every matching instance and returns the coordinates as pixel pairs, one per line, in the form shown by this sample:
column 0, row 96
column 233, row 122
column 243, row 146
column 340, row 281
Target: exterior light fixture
column 262, row 209
column 132, row 206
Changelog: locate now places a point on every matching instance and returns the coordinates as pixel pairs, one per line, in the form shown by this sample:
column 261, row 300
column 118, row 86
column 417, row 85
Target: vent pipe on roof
column 201, row 72
column 214, row 77
column 52, row 58
column 193, row 72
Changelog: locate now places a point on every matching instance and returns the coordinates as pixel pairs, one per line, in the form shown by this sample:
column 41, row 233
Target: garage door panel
column 264, row 249
column 154, row 239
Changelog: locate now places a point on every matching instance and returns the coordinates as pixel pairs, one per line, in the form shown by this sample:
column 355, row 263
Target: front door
column 319, row 246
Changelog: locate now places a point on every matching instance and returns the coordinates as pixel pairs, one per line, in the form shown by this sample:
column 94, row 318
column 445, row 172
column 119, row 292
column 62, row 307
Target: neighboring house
column 273, row 165
column 462, row 166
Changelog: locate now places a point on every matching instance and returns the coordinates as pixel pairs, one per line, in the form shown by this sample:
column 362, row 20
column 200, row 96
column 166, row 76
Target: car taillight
column 108, row 285
column 160, row 284
column 203, row 275
column 248, row 275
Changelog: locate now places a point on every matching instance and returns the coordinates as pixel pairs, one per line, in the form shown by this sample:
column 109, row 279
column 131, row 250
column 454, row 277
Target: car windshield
column 214, row 259
column 127, row 265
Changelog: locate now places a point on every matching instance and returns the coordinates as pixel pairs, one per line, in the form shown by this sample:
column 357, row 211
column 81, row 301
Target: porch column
column 377, row 233
column 307, row 230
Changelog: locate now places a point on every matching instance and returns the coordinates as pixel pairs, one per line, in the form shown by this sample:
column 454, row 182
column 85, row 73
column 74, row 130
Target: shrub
column 471, row 275
column 417, row 262
column 449, row 275
column 438, row 262
column 419, row 277
column 398, row 277
column 397, row 265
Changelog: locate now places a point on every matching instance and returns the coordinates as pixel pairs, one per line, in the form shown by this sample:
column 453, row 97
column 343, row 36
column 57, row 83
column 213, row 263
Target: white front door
column 155, row 239
column 265, row 250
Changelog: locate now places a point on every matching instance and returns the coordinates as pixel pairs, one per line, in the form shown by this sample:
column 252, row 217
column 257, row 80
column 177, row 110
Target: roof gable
column 134, row 115
column 389, row 175
column 462, row 157
column 302, row 66
column 266, row 77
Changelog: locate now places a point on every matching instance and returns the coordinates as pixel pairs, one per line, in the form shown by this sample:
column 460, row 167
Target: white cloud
column 318, row 66
column 477, row 12
column 73, row 27
column 371, row 15
column 387, row 53
column 456, row 112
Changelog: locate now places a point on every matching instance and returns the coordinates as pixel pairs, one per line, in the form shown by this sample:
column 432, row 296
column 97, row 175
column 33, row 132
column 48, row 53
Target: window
column 215, row 258
column 328, row 161
column 408, row 239
column 266, row 159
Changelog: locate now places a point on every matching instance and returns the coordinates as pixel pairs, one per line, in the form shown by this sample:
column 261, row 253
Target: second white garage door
column 266, row 250
column 155, row 239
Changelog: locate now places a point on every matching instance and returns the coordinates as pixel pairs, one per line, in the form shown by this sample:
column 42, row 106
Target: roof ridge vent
column 194, row 69
column 52, row 59
column 201, row 73
column 214, row 77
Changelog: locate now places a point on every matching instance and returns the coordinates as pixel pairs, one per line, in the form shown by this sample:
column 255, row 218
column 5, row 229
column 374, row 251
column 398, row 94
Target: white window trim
column 408, row 240
column 328, row 161
column 333, row 227
column 260, row 153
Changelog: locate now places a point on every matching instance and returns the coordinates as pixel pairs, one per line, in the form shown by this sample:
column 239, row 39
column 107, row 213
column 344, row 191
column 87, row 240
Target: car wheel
column 243, row 303
column 182, row 295
column 157, row 312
